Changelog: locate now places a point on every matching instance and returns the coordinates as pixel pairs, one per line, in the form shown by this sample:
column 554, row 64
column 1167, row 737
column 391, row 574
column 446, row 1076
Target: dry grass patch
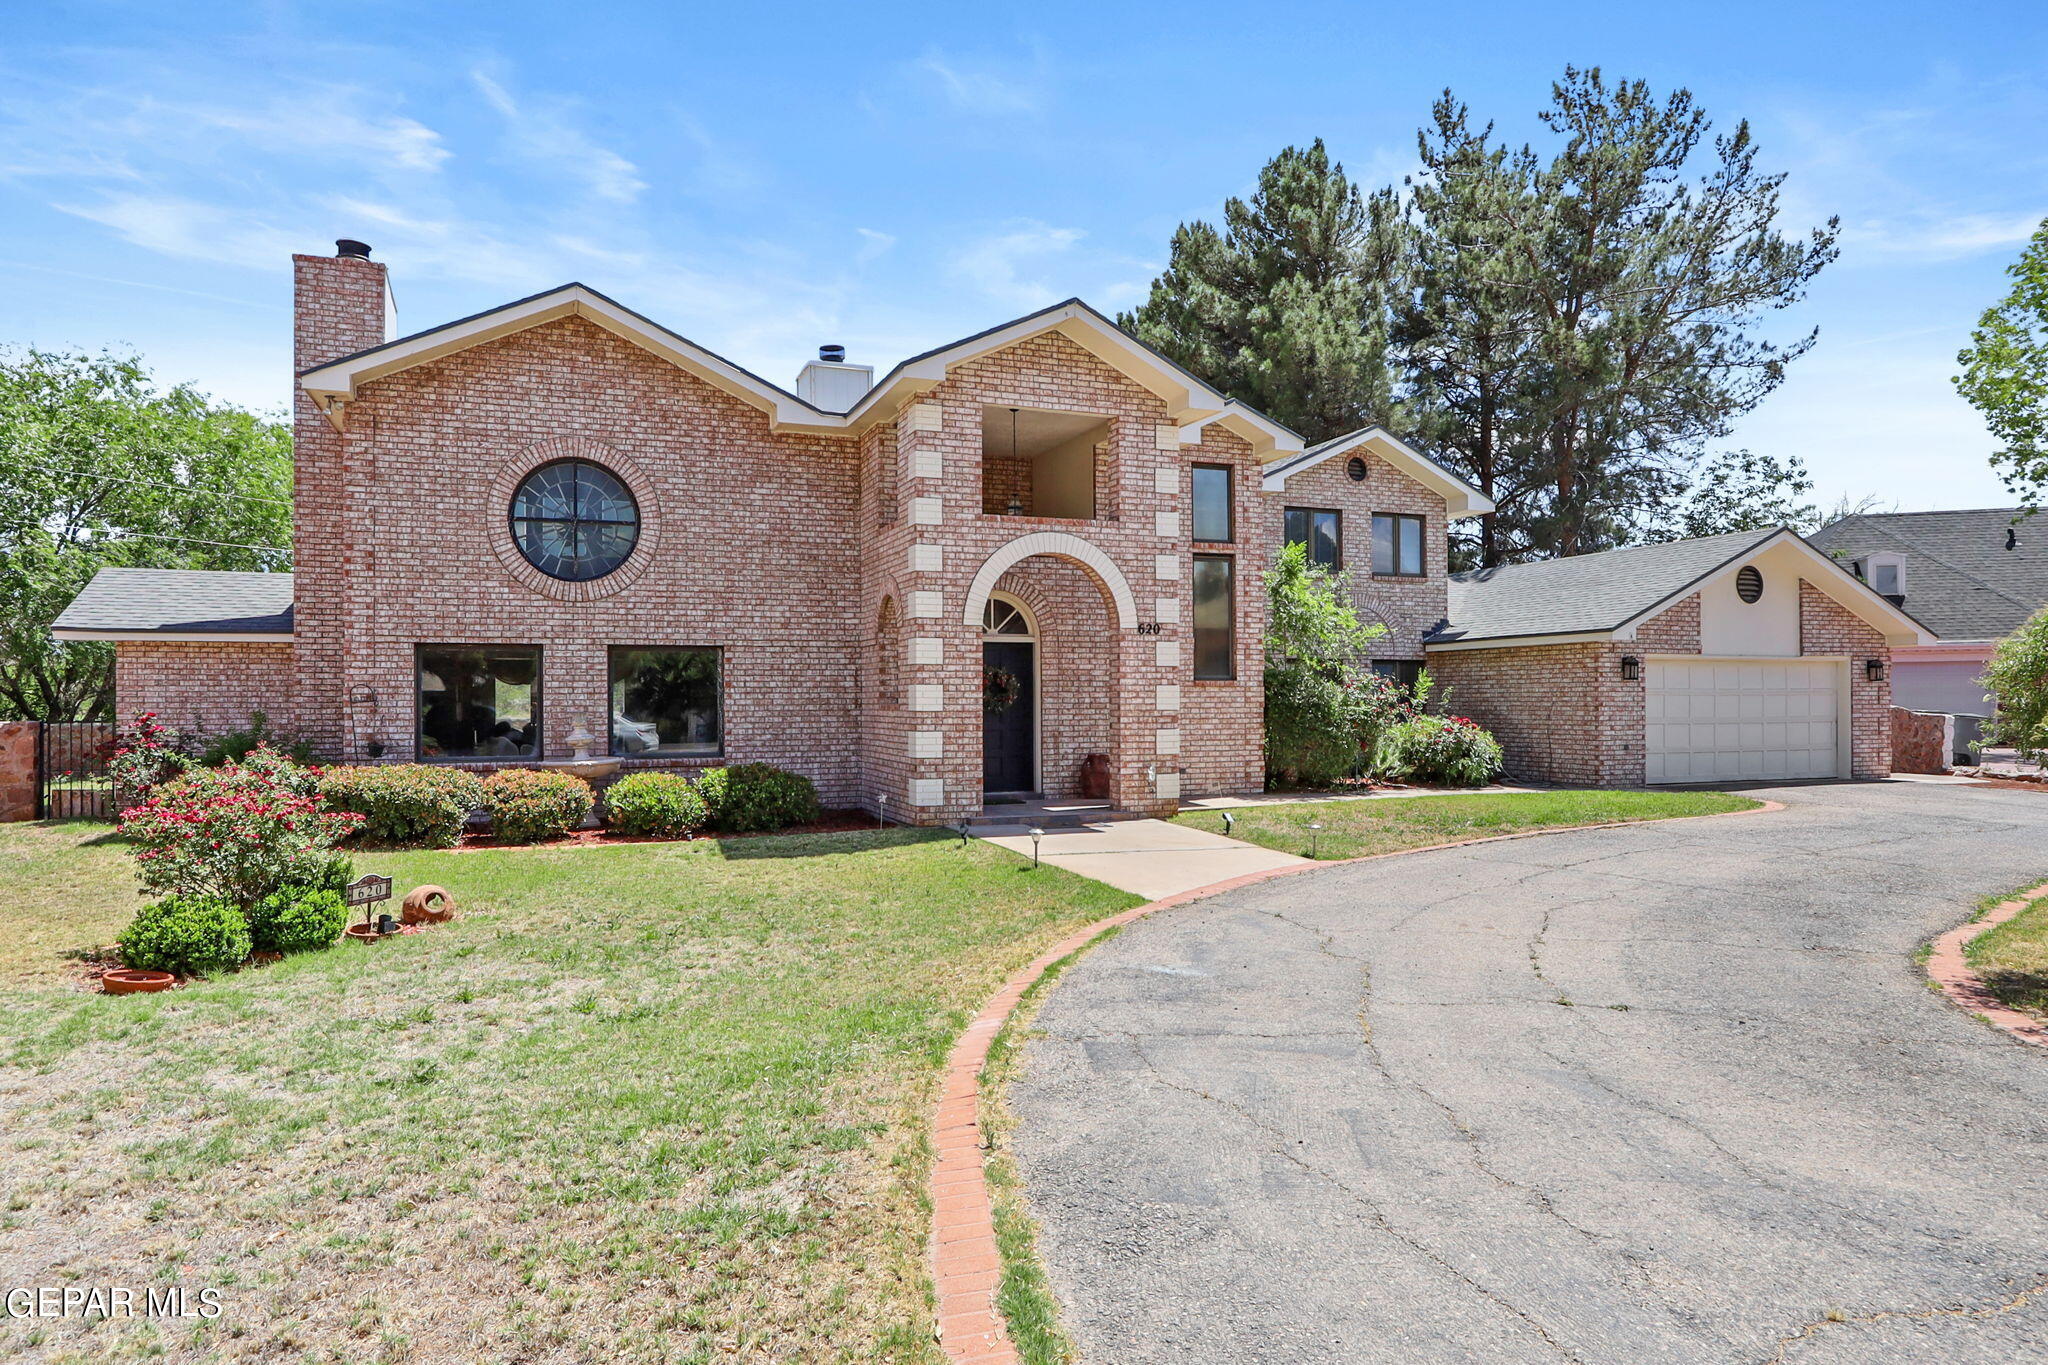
column 647, row 1103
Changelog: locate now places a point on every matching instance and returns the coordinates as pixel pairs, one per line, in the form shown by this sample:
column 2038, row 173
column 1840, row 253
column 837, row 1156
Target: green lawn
column 640, row 1103
column 1352, row 829
column 2013, row 959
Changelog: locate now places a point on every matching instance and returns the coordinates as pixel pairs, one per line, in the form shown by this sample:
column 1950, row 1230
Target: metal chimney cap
column 832, row 354
column 349, row 246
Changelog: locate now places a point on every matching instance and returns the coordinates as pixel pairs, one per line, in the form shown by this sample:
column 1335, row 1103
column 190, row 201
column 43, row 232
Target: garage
column 1717, row 720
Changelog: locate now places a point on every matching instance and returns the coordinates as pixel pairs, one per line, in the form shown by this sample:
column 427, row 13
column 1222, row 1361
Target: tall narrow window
column 1215, row 617
column 1212, row 503
column 478, row 701
column 665, row 702
column 1397, row 546
column 1321, row 531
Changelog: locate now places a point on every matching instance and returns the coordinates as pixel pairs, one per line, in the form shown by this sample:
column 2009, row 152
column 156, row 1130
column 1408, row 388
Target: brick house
column 557, row 526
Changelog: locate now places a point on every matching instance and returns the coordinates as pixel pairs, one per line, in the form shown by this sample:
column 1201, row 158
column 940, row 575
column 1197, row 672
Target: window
column 1888, row 574
column 1212, row 502
column 574, row 520
column 1397, row 546
column 1406, row 672
column 1321, row 530
column 665, row 702
column 1215, row 617
column 478, row 701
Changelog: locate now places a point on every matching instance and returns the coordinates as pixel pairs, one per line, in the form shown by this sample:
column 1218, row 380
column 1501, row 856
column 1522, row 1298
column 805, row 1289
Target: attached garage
column 1736, row 658
column 1717, row 720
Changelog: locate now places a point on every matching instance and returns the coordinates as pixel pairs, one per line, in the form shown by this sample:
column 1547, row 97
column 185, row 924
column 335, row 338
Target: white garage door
column 1711, row 720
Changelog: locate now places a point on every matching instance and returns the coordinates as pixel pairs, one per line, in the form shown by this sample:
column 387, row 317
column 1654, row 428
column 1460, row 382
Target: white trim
column 1460, row 499
column 1065, row 546
column 183, row 637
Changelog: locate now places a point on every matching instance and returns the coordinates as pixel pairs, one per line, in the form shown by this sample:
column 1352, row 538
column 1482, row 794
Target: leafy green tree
column 99, row 469
column 1324, row 705
column 2018, row 677
column 1284, row 308
column 1739, row 490
column 2005, row 373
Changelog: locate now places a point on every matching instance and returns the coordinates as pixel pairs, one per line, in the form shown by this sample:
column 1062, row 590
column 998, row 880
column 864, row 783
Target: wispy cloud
column 982, row 87
column 1005, row 264
column 873, row 244
column 1944, row 238
column 544, row 131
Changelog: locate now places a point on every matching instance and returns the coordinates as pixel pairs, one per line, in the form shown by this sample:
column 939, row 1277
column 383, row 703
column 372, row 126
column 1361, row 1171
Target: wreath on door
column 1000, row 690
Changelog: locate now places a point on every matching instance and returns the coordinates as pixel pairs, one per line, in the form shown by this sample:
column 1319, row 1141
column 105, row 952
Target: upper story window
column 1036, row 463
column 574, row 520
column 1213, row 513
column 1884, row 572
column 1397, row 546
column 1319, row 529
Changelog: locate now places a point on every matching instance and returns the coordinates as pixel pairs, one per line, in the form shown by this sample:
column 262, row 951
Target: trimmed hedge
column 656, row 804
column 527, row 806
column 757, row 796
column 189, row 935
column 413, row 805
column 297, row 919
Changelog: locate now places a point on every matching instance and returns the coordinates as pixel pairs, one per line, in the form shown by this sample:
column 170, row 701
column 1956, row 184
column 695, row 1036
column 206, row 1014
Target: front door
column 1009, row 717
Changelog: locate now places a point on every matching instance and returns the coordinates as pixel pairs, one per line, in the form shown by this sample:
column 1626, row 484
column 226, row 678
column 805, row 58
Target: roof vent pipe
column 832, row 354
column 347, row 247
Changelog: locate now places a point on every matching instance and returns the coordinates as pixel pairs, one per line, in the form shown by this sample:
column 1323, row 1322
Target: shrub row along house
column 557, row 522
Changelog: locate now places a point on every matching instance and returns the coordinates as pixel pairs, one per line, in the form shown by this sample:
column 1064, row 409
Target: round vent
column 1355, row 467
column 1749, row 584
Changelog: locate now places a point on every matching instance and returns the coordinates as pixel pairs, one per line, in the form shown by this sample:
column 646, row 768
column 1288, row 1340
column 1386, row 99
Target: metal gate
column 71, row 770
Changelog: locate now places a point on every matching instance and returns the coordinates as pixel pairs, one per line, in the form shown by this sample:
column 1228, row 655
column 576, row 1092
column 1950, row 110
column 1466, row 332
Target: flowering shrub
column 238, row 832
column 1448, row 749
column 757, row 796
column 236, row 745
column 189, row 935
column 297, row 919
column 664, row 805
column 146, row 755
column 414, row 805
column 526, row 805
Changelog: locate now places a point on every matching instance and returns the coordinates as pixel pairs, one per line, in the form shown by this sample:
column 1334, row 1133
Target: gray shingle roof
column 1960, row 579
column 182, row 602
column 1585, row 592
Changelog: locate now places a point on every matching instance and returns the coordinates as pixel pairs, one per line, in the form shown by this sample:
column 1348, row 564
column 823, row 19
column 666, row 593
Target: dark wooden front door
column 1009, row 738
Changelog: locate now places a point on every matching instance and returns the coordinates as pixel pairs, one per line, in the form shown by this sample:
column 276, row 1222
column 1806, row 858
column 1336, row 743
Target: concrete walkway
column 1672, row 1093
column 1149, row 858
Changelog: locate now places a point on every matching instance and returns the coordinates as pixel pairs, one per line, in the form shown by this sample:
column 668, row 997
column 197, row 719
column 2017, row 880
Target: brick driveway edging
column 966, row 1266
column 1949, row 968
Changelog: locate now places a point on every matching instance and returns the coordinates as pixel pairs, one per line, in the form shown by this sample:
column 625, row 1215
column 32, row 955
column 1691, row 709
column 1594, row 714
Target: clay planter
column 135, row 981
column 362, row 933
column 426, row 905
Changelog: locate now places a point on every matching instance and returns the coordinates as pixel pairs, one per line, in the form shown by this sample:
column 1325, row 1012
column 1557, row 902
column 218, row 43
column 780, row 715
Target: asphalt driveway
column 1348, row 1116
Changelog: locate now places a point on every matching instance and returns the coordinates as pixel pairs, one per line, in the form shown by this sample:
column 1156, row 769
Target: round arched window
column 574, row 520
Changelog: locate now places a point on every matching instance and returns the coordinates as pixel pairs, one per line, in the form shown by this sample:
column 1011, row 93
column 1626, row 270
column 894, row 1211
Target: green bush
column 237, row 745
column 297, row 919
column 189, row 935
column 527, row 806
column 412, row 805
column 663, row 805
column 756, row 796
column 1325, row 710
column 1448, row 749
column 2018, row 677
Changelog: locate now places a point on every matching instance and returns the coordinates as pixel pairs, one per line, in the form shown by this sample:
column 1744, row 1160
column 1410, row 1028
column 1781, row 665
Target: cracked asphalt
column 1348, row 1115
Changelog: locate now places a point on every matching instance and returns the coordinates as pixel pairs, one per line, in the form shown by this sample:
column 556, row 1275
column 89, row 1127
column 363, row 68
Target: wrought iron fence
column 71, row 771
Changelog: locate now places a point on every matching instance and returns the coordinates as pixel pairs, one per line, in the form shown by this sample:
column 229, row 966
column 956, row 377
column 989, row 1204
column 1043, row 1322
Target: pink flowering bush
column 146, row 755
column 239, row 832
column 1453, row 750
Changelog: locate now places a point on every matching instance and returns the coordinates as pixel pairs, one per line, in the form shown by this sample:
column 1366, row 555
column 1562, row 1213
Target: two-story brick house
column 558, row 522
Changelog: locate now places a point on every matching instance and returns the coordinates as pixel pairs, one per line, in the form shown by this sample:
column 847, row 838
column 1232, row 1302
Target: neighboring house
column 557, row 518
column 1971, row 577
column 1744, row 656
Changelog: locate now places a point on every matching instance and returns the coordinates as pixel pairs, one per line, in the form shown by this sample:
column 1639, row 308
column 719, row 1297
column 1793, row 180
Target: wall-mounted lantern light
column 1873, row 669
column 1631, row 667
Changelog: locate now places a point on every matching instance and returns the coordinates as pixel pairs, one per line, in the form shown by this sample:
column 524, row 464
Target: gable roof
column 179, row 604
column 1188, row 399
column 1960, row 579
column 1462, row 499
column 1605, row 595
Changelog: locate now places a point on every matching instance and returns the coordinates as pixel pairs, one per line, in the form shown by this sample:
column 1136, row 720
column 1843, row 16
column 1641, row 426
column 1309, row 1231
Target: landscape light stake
column 1036, row 835
column 881, row 809
column 962, row 827
column 1315, row 837
column 1229, row 824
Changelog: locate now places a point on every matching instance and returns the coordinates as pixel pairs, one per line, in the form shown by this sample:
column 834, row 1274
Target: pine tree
column 1285, row 307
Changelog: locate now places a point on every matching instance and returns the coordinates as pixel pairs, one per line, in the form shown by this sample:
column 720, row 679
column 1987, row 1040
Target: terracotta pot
column 426, row 905
column 1095, row 777
column 135, row 981
column 363, row 933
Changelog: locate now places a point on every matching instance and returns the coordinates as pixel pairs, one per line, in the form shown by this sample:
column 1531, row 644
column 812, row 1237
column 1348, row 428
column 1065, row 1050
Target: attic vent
column 1355, row 467
column 1749, row 584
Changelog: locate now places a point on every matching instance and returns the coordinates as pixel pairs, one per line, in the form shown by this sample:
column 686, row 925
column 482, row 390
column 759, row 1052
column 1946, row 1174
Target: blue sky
column 764, row 178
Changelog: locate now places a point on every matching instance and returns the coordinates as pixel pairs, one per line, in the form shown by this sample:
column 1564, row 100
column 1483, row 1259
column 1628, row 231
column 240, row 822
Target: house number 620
column 1148, row 627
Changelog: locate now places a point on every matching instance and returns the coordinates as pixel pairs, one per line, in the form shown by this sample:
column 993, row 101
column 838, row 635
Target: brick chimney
column 341, row 304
